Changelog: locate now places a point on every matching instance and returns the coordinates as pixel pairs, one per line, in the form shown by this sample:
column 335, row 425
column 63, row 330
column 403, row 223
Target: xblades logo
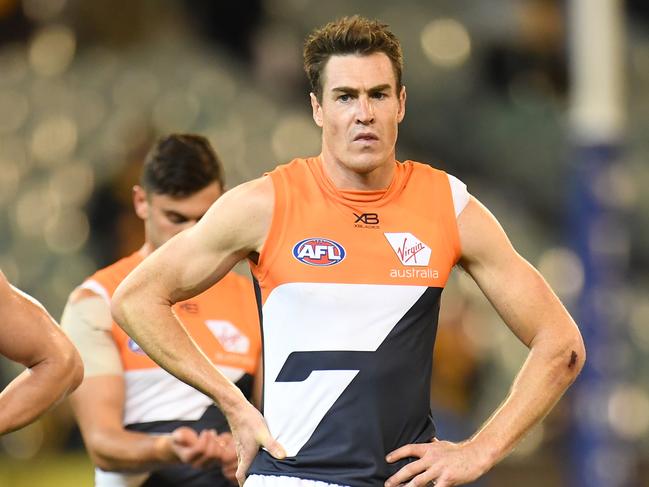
column 367, row 220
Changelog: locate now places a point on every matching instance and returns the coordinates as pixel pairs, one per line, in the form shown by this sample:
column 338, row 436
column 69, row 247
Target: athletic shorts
column 283, row 481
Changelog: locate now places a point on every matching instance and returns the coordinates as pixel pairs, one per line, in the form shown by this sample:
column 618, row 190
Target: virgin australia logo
column 409, row 249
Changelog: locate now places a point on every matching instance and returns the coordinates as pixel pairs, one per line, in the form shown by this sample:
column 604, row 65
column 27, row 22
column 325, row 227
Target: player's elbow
column 569, row 356
column 64, row 364
column 70, row 367
column 98, row 458
column 121, row 303
column 104, row 463
column 76, row 371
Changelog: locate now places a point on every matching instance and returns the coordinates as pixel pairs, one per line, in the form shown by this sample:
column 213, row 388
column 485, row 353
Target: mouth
column 365, row 137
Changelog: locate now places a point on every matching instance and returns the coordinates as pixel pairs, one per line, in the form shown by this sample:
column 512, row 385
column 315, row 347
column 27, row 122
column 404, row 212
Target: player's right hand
column 200, row 450
column 250, row 432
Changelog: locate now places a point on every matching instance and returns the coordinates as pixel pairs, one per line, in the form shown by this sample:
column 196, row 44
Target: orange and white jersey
column 349, row 283
column 224, row 323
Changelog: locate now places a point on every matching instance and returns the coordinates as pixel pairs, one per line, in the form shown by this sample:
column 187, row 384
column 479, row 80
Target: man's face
column 360, row 111
column 164, row 216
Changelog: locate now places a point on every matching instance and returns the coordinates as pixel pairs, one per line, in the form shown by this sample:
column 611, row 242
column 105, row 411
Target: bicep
column 516, row 290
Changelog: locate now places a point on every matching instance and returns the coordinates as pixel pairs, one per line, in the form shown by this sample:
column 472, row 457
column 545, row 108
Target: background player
column 29, row 335
column 126, row 401
column 354, row 66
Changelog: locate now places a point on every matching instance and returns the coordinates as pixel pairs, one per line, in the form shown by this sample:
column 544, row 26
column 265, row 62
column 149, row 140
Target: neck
column 344, row 177
column 146, row 249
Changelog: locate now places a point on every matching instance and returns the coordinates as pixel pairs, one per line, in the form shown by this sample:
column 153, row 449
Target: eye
column 176, row 218
column 379, row 95
column 344, row 98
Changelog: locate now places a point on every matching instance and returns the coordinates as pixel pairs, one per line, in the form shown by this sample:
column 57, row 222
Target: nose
column 365, row 114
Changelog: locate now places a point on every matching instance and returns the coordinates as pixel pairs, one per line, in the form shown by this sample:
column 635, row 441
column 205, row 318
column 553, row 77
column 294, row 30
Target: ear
column 402, row 104
column 140, row 202
column 317, row 109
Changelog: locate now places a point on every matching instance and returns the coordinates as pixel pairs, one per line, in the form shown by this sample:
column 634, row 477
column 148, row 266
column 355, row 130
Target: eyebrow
column 354, row 91
column 181, row 215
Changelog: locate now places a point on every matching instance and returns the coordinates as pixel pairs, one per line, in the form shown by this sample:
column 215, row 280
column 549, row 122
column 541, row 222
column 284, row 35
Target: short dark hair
column 180, row 165
column 349, row 35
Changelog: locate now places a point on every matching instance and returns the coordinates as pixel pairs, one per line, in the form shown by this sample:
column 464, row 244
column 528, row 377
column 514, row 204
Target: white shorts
column 283, row 481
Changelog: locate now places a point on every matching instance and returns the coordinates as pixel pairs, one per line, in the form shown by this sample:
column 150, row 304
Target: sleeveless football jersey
column 224, row 322
column 349, row 284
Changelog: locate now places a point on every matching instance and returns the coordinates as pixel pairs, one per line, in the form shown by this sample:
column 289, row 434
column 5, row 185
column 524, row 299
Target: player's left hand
column 439, row 463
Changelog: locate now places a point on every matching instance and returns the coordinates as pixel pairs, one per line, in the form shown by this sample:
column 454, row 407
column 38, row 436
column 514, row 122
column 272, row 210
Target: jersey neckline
column 355, row 197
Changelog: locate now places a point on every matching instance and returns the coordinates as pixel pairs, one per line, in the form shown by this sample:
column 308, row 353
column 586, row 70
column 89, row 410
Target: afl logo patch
column 319, row 252
column 134, row 347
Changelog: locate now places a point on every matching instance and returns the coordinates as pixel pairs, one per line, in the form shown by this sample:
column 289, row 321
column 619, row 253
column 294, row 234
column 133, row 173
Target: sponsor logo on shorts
column 409, row 249
column 319, row 252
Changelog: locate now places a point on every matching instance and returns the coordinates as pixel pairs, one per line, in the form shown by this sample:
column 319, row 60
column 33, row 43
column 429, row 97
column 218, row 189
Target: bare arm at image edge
column 535, row 315
column 233, row 228
column 29, row 335
column 98, row 403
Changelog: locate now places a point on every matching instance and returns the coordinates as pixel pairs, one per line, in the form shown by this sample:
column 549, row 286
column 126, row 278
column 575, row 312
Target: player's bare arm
column 233, row 229
column 535, row 315
column 112, row 448
column 98, row 403
column 29, row 335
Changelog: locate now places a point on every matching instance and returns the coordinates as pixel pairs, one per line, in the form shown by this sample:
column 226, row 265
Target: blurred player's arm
column 98, row 403
column 535, row 315
column 189, row 263
column 30, row 336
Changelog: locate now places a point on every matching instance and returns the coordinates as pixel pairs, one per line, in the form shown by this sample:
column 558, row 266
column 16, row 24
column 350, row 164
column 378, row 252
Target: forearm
column 551, row 366
column 36, row 389
column 131, row 451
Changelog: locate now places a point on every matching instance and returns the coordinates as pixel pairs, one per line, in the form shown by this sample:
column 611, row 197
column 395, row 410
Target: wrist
column 233, row 403
column 485, row 453
column 164, row 451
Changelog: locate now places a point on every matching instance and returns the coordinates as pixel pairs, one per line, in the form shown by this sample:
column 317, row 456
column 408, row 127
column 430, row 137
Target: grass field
column 70, row 470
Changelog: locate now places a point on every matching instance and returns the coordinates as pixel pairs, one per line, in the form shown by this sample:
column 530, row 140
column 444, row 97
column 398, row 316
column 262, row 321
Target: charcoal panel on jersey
column 212, row 418
column 385, row 406
column 299, row 365
column 255, row 284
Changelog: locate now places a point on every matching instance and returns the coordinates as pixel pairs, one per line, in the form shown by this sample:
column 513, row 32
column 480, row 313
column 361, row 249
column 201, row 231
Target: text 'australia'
column 410, row 273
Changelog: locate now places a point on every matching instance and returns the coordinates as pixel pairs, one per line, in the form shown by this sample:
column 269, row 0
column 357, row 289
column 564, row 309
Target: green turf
column 70, row 470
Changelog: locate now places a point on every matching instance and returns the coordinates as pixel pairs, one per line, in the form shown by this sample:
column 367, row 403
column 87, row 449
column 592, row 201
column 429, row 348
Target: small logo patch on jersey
column 134, row 347
column 410, row 250
column 229, row 336
column 319, row 252
column 366, row 220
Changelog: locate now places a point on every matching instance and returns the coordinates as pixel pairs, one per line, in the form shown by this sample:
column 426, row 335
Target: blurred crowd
column 85, row 87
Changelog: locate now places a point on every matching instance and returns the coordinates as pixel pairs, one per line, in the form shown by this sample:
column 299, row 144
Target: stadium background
column 85, row 87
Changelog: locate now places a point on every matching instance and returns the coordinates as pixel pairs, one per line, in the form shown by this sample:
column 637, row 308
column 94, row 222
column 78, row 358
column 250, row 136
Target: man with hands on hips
column 350, row 251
